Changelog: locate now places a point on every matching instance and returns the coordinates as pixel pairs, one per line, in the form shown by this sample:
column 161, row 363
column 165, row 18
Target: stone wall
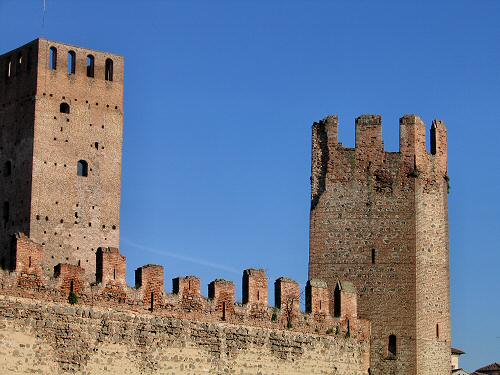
column 379, row 220
column 55, row 338
column 151, row 331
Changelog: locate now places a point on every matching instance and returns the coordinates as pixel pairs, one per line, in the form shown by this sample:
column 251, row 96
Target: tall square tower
column 61, row 132
column 380, row 220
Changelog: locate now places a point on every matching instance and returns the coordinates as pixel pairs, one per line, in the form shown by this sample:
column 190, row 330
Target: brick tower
column 380, row 220
column 61, row 131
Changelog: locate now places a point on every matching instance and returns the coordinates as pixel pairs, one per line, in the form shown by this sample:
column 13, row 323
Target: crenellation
column 69, row 278
column 150, row 280
column 287, row 295
column 110, row 267
column 317, row 298
column 255, row 289
column 369, row 143
column 222, row 293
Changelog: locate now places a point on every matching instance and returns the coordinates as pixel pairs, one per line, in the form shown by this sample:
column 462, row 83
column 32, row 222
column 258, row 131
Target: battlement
column 369, row 141
column 186, row 301
column 369, row 160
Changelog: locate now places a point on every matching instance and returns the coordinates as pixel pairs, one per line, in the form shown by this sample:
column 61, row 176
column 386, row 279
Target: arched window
column 19, row 63
column 82, row 168
column 392, row 346
column 64, row 108
column 90, row 66
column 108, row 70
column 53, row 58
column 7, row 168
column 337, row 301
column 71, row 62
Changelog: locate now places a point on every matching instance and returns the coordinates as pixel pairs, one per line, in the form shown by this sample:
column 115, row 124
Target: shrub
column 73, row 298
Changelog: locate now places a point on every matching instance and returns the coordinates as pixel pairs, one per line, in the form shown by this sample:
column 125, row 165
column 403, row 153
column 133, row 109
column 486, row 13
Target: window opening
column 19, row 63
column 336, row 302
column 437, row 331
column 82, row 168
column 29, row 262
column 90, row 66
column 28, row 60
column 7, row 168
column 53, row 58
column 8, row 69
column 71, row 62
column 373, row 256
column 64, row 108
column 392, row 347
column 6, row 212
column 108, row 71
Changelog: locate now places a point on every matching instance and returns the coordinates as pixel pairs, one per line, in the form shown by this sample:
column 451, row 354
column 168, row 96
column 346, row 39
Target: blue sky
column 219, row 101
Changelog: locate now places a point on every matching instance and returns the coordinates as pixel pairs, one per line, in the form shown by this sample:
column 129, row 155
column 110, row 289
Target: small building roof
column 456, row 351
column 489, row 369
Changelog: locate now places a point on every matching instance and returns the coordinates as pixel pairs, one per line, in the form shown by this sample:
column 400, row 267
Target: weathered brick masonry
column 379, row 230
column 379, row 219
column 118, row 329
column 53, row 115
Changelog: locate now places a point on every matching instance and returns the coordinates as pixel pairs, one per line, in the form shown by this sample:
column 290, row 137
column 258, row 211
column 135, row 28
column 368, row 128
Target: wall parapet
column 186, row 301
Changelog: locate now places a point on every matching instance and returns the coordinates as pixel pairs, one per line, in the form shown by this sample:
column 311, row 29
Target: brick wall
column 110, row 267
column 70, row 215
column 379, row 220
column 255, row 289
column 150, row 280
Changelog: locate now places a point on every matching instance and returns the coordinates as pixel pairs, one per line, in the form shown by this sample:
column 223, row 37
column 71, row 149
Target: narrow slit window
column 82, row 169
column 392, row 346
column 64, row 108
column 337, row 302
column 29, row 60
column 108, row 70
column 53, row 58
column 71, row 62
column 6, row 212
column 7, row 168
column 90, row 66
column 114, row 273
column 71, row 286
column 8, row 69
column 19, row 63
column 374, row 254
column 29, row 262
column 437, row 331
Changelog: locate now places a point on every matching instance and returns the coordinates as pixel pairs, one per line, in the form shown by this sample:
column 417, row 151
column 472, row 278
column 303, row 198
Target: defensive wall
column 114, row 328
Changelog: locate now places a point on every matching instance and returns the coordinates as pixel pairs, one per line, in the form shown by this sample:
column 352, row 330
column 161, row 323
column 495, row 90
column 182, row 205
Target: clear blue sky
column 219, row 101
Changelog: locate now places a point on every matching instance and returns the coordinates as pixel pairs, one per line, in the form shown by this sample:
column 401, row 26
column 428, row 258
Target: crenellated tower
column 380, row 220
column 61, row 131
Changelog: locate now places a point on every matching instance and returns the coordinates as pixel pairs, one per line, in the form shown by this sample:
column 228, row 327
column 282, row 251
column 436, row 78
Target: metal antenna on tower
column 43, row 13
